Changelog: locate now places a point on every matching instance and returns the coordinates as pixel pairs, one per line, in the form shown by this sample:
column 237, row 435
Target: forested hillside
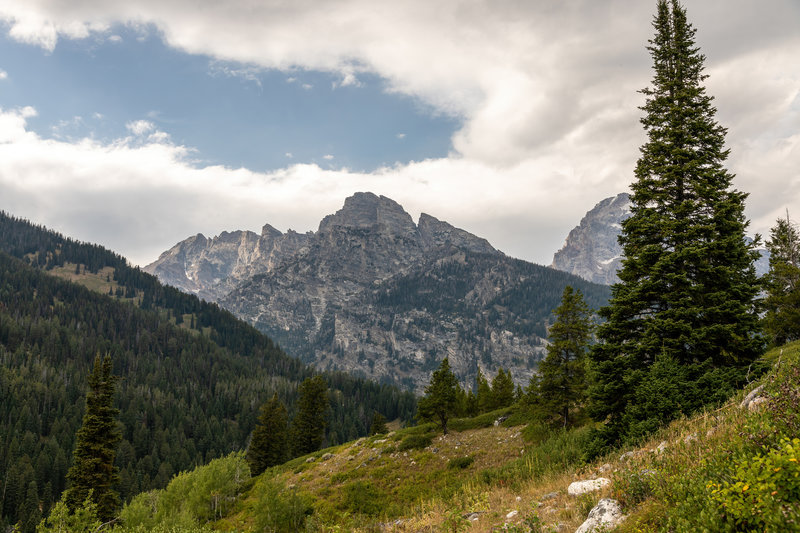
column 192, row 376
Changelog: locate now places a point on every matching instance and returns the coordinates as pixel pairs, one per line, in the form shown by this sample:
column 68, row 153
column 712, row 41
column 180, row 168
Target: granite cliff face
column 373, row 293
column 591, row 250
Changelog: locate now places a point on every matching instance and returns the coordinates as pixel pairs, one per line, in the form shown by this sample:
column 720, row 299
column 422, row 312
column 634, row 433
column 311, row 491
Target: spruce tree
column 308, row 426
column 269, row 445
column 561, row 383
column 484, row 393
column 441, row 396
column 93, row 466
column 378, row 426
column 687, row 284
column 782, row 304
column 502, row 389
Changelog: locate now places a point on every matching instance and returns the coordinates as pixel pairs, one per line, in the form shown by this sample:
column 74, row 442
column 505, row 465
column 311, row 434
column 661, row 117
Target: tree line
column 183, row 398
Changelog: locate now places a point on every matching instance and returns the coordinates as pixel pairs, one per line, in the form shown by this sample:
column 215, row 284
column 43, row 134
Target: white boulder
column 582, row 487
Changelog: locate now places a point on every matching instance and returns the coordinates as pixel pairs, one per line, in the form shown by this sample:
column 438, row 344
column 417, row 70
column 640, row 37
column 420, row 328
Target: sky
column 137, row 123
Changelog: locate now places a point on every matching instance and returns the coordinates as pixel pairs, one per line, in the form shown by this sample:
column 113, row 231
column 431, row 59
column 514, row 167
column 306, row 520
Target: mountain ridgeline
column 192, row 376
column 374, row 294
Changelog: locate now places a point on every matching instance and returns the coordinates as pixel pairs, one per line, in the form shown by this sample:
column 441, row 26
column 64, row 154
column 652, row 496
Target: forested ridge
column 186, row 395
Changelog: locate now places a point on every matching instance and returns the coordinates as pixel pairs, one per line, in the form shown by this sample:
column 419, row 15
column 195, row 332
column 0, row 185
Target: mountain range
column 373, row 293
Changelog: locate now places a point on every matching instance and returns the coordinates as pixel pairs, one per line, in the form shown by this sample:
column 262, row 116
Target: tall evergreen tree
column 562, row 373
column 502, row 389
column 484, row 393
column 93, row 466
column 308, row 426
column 782, row 318
column 441, row 396
column 687, row 284
column 269, row 445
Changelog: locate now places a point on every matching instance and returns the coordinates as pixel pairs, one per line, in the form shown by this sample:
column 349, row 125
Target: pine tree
column 502, row 389
column 687, row 284
column 484, row 393
column 308, row 426
column 441, row 396
column 93, row 466
column 378, row 426
column 270, row 443
column 561, row 381
column 782, row 304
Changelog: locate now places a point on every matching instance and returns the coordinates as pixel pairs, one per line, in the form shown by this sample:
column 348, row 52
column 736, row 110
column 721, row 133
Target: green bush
column 460, row 462
column 364, row 498
column 413, row 442
column 281, row 510
column 761, row 492
column 191, row 498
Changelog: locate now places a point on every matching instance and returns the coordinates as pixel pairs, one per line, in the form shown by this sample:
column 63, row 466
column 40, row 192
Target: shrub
column 413, row 442
column 364, row 498
column 460, row 462
column 281, row 510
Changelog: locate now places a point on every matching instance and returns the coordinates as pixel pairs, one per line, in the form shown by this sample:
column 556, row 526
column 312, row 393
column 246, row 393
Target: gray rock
column 751, row 397
column 605, row 516
column 549, row 496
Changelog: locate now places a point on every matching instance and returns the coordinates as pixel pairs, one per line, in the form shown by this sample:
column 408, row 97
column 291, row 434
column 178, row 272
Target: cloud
column 327, row 157
column 546, row 92
column 3, row 74
column 401, row 135
column 140, row 127
column 140, row 197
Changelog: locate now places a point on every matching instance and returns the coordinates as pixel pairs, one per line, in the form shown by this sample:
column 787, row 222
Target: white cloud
column 546, row 92
column 328, row 157
column 140, row 127
column 401, row 135
column 139, row 198
column 3, row 74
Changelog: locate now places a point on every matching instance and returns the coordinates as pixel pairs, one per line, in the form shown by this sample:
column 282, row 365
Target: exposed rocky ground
column 373, row 293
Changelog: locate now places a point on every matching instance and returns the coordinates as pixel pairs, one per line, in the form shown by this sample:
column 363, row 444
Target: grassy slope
column 509, row 474
column 727, row 469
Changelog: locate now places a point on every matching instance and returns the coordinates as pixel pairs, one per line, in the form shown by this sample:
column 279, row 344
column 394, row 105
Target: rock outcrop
column 372, row 293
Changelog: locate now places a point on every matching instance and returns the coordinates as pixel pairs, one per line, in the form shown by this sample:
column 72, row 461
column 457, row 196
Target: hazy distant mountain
column 373, row 293
column 591, row 250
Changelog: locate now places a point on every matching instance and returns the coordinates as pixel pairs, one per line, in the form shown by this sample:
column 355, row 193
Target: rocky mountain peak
column 366, row 210
column 591, row 250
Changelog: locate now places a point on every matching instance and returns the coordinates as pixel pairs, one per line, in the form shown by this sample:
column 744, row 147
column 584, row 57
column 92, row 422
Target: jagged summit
column 367, row 210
